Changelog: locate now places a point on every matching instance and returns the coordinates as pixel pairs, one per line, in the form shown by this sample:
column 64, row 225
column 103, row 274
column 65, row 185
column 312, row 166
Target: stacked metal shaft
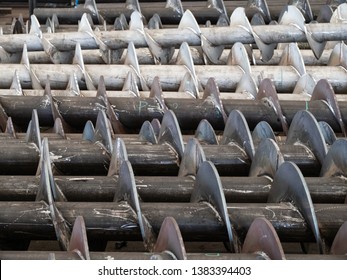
column 202, row 124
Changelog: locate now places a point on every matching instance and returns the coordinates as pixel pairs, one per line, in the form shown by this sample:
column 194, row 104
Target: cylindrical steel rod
column 166, row 94
column 165, row 189
column 175, row 37
column 201, row 12
column 197, row 221
column 145, row 57
column 84, row 158
column 132, row 112
column 227, row 77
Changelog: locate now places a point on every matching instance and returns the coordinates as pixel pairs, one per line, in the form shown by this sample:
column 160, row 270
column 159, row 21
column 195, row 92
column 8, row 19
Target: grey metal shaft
column 175, row 37
column 132, row 112
column 145, row 57
column 166, row 94
column 227, row 77
column 165, row 189
column 201, row 12
column 84, row 158
column 197, row 221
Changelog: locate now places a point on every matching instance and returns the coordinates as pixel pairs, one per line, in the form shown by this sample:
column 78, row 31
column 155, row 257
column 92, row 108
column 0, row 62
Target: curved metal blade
column 305, row 129
column 327, row 132
column 170, row 132
column 324, row 91
column 212, row 92
column 126, row 191
column 205, row 133
column 339, row 246
column 262, row 131
column 79, row 240
column 170, row 239
column 33, row 132
column 147, row 133
column 335, row 163
column 262, row 237
column 193, row 157
column 237, row 131
column 208, row 188
column 289, row 186
column 119, row 155
column 103, row 132
column 267, row 91
column 266, row 160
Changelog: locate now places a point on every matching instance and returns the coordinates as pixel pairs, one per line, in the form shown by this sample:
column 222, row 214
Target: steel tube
column 145, row 57
column 18, row 158
column 116, row 221
column 175, row 37
column 84, row 158
column 166, row 94
column 65, row 15
column 167, row 16
column 165, row 189
column 132, row 112
column 227, row 77
column 200, row 11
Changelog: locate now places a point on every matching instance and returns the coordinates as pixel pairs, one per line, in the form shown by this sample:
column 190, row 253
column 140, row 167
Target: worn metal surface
column 231, row 158
column 202, row 10
column 132, row 112
column 165, row 189
column 116, row 221
column 175, row 138
column 282, row 33
column 170, row 75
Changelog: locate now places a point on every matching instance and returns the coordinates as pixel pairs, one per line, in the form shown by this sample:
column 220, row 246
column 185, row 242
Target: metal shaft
column 84, row 158
column 168, row 15
column 132, row 112
column 117, row 221
column 171, row 95
column 176, row 36
column 165, row 189
column 227, row 77
column 144, row 57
